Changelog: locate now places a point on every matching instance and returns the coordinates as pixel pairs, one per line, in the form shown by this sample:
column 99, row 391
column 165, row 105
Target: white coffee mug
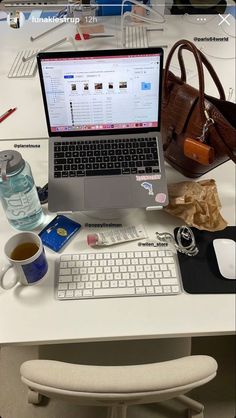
column 25, row 255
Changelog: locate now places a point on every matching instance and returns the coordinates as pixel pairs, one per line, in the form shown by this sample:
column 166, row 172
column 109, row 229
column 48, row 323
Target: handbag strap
column 191, row 47
column 215, row 137
column 207, row 64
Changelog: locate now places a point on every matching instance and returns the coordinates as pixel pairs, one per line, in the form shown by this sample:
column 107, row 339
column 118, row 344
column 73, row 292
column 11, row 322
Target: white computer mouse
column 225, row 250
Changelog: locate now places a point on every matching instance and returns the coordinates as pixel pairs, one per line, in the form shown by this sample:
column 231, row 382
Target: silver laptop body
column 103, row 117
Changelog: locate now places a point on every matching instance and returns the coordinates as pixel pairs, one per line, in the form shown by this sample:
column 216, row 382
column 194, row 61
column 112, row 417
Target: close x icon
column 224, row 19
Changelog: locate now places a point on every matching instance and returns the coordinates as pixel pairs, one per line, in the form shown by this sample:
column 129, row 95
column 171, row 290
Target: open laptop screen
column 90, row 92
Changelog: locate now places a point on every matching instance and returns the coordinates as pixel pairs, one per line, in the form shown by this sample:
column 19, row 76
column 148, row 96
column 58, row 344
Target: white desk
column 32, row 315
column 29, row 119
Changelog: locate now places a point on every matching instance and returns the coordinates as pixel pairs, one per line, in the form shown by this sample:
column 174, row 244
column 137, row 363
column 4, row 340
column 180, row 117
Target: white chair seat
column 113, row 385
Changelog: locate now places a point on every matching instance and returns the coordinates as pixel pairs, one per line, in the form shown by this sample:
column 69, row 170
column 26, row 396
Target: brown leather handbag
column 198, row 130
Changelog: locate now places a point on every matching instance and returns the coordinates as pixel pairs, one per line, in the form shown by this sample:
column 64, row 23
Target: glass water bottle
column 18, row 193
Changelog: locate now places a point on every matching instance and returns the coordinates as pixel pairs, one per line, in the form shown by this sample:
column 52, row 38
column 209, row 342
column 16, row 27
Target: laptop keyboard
column 106, row 157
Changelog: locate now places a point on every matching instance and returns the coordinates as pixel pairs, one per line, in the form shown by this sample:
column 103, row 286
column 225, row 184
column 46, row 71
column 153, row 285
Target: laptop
column 103, row 117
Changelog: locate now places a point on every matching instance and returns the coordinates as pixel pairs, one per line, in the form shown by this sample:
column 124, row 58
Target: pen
column 91, row 36
column 6, row 114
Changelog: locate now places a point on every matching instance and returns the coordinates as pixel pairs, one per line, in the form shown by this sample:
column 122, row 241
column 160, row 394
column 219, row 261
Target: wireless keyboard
column 20, row 69
column 117, row 274
column 135, row 36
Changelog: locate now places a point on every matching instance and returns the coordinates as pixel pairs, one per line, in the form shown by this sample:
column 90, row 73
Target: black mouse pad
column 200, row 274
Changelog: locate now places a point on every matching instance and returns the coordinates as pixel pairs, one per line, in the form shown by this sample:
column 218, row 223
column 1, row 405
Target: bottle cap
column 92, row 239
column 10, row 161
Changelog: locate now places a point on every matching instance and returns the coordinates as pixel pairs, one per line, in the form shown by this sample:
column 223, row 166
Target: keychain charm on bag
column 198, row 150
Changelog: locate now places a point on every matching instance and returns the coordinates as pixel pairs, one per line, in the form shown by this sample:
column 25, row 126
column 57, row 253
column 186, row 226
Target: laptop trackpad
column 107, row 192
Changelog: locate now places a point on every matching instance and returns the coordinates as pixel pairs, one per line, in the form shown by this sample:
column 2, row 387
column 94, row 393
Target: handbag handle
column 194, row 50
column 208, row 66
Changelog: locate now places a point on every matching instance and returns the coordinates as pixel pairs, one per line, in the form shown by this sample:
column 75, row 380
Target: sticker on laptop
column 160, row 197
column 148, row 177
column 148, row 186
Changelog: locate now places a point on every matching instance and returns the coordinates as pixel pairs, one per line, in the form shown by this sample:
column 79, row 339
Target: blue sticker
column 36, row 270
column 148, row 186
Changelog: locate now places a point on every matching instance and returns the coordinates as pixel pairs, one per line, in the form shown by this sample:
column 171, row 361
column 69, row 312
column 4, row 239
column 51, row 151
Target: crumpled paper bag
column 197, row 203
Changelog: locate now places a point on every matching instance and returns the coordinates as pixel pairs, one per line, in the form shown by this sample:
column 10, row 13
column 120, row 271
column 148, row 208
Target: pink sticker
column 148, row 177
column 160, row 197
